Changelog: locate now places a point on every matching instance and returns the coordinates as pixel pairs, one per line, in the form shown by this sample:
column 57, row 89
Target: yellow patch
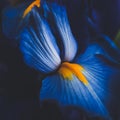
column 29, row 8
column 67, row 70
column 66, row 73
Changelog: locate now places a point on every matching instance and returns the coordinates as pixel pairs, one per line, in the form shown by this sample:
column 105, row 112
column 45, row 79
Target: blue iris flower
column 89, row 84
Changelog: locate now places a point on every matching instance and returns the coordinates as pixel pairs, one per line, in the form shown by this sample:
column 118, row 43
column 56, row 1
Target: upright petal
column 38, row 45
column 62, row 26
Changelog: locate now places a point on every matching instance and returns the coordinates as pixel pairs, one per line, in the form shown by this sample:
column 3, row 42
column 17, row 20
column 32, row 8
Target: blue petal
column 94, row 97
column 62, row 26
column 38, row 45
column 97, row 72
column 73, row 92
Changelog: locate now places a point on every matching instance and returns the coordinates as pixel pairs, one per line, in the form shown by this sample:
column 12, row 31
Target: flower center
column 29, row 8
column 67, row 70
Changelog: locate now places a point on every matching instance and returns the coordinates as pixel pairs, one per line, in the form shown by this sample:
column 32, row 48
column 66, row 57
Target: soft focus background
column 20, row 85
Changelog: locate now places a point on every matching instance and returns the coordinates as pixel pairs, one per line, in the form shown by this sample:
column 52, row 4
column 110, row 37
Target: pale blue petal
column 38, row 45
column 63, row 27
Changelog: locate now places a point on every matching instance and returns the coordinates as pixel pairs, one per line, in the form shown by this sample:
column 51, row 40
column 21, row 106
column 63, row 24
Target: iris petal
column 72, row 92
column 39, row 45
column 62, row 23
column 93, row 97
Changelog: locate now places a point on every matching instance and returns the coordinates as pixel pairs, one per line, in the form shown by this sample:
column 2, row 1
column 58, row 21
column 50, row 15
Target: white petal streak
column 69, row 42
column 39, row 46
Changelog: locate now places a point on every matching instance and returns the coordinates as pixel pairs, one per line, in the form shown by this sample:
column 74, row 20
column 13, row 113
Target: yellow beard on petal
column 66, row 73
column 67, row 70
column 29, row 8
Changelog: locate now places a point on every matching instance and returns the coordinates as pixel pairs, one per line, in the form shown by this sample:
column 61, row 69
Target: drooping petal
column 39, row 46
column 72, row 92
column 93, row 96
